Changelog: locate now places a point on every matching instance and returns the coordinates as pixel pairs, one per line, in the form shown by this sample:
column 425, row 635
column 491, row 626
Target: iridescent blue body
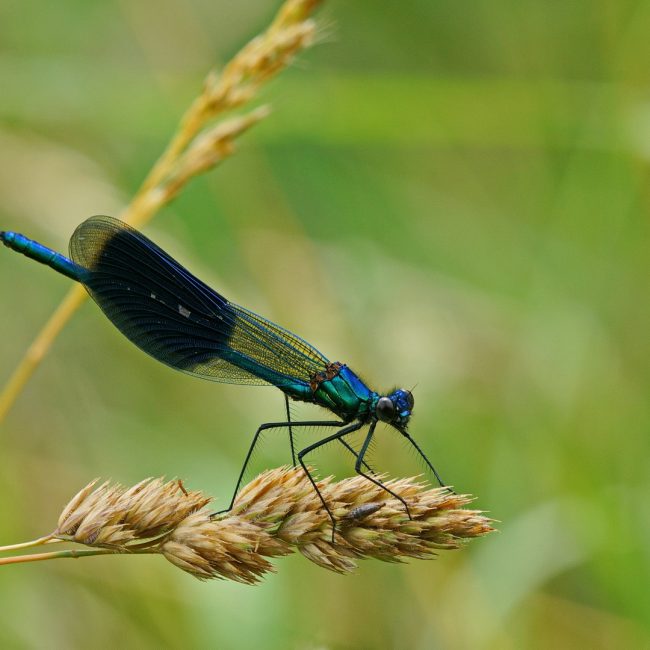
column 346, row 395
column 43, row 254
column 176, row 318
column 193, row 328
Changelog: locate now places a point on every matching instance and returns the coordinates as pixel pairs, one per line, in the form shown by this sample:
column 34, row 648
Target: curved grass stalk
column 48, row 539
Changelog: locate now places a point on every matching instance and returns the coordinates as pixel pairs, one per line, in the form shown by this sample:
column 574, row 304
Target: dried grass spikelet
column 274, row 515
column 199, row 147
column 111, row 516
column 291, row 31
column 209, row 149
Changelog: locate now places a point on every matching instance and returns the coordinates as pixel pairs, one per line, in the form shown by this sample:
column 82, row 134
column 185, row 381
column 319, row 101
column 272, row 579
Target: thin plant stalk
column 39, row 348
column 55, row 555
column 48, row 539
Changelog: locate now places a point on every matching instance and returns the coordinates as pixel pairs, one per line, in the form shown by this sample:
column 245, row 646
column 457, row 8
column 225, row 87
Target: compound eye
column 409, row 399
column 385, row 409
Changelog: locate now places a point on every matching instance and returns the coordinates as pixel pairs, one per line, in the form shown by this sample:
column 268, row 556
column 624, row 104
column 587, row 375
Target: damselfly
column 179, row 320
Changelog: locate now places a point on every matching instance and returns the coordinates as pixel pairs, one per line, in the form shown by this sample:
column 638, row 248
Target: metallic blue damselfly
column 179, row 320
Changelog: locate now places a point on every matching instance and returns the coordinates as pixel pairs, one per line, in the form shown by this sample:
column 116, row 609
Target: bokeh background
column 452, row 196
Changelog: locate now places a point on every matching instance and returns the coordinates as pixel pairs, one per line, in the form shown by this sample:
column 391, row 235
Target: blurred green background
column 448, row 195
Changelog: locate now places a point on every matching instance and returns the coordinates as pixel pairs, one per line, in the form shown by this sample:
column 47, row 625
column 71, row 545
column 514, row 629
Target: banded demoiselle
column 179, row 320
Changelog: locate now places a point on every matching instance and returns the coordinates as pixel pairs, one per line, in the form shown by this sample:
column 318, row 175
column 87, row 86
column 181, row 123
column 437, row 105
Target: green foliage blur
column 448, row 195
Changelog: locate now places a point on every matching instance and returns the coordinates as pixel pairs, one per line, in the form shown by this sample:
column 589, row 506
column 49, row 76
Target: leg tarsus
column 301, row 455
column 293, row 450
column 426, row 460
column 357, row 469
column 350, row 448
column 263, row 427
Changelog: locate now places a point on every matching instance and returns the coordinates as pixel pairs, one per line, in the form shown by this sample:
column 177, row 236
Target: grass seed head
column 277, row 513
column 114, row 516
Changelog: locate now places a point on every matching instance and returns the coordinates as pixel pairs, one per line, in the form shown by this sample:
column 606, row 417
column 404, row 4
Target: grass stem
column 56, row 555
column 48, row 539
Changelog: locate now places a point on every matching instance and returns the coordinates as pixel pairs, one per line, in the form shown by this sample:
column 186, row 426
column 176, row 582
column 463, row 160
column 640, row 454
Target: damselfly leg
column 265, row 427
column 343, row 442
column 288, row 425
column 355, row 426
column 360, row 462
column 358, row 465
column 426, row 460
column 293, row 447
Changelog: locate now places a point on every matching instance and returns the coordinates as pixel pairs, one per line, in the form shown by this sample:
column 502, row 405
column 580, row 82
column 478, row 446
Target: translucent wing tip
column 90, row 237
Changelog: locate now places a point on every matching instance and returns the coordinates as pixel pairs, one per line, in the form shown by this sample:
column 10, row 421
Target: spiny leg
column 426, row 460
column 351, row 449
column 345, row 443
column 355, row 426
column 357, row 468
column 264, row 427
column 293, row 449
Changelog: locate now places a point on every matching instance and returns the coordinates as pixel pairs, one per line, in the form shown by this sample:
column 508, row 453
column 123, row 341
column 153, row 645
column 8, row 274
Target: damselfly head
column 395, row 408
